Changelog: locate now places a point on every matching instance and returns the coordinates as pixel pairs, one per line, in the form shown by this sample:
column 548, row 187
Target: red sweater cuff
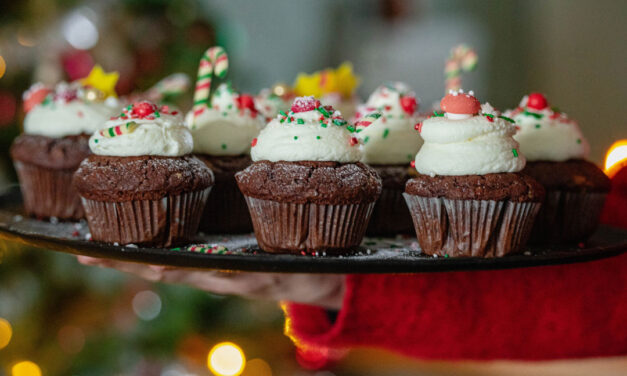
column 551, row 312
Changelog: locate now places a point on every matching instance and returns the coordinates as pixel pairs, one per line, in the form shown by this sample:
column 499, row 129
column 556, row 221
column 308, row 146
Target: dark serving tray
column 377, row 255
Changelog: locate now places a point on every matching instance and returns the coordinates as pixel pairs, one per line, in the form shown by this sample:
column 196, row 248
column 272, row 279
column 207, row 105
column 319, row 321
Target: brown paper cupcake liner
column 471, row 228
column 567, row 217
column 48, row 192
column 294, row 228
column 390, row 215
column 160, row 223
column 226, row 211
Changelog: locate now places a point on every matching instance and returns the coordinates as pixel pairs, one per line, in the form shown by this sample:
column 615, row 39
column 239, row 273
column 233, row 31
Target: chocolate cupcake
column 142, row 185
column 469, row 198
column 306, row 189
column 386, row 126
column 222, row 135
column 55, row 140
column 556, row 152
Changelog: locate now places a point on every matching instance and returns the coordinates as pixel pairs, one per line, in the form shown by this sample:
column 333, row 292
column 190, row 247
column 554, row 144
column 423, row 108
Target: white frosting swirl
column 549, row 136
column 60, row 118
column 391, row 139
column 473, row 146
column 308, row 140
column 225, row 129
column 166, row 136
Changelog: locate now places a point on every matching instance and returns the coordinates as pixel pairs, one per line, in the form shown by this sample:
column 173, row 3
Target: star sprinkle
column 101, row 80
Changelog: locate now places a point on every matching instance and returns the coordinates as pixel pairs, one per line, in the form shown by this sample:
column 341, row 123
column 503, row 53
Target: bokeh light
column 6, row 332
column 3, row 66
column 257, row 367
column 80, row 31
column 147, row 305
column 25, row 368
column 616, row 157
column 226, row 359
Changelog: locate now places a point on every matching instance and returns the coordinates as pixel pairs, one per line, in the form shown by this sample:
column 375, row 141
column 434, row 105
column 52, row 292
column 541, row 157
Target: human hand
column 326, row 290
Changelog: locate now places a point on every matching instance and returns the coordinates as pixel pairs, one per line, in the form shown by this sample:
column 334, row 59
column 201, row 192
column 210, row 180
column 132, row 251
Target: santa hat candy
column 35, row 95
column 460, row 105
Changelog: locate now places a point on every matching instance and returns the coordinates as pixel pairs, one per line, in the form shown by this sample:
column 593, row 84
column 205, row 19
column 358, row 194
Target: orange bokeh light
column 616, row 158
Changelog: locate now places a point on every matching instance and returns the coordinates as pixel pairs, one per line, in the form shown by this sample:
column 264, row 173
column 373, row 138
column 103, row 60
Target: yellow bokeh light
column 226, row 359
column 3, row 66
column 257, row 367
column 616, row 157
column 5, row 333
column 25, row 368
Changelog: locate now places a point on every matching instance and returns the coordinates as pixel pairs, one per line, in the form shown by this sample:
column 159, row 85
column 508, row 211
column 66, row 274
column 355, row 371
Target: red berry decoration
column 409, row 104
column 304, row 104
column 245, row 101
column 537, row 101
column 460, row 103
column 143, row 109
column 253, row 143
column 354, row 141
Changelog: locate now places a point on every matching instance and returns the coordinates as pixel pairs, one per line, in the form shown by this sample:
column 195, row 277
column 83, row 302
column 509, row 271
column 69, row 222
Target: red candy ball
column 143, row 109
column 460, row 103
column 409, row 104
column 537, row 101
column 245, row 101
column 304, row 104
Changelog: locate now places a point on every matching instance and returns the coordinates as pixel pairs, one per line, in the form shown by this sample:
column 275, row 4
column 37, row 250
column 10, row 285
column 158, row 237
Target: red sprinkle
column 412, row 164
column 253, row 142
column 418, row 127
column 245, row 101
column 354, row 141
column 75, row 233
column 304, row 104
column 490, row 119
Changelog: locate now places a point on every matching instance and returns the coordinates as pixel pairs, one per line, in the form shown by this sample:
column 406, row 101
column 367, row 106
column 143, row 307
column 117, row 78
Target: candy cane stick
column 119, row 130
column 462, row 59
column 214, row 62
column 174, row 84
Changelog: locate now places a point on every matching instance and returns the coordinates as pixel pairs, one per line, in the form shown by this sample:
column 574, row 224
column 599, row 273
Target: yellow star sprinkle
column 341, row 80
column 101, row 80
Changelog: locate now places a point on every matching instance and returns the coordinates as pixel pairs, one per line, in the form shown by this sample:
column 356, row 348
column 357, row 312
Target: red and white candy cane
column 368, row 119
column 214, row 62
column 119, row 130
column 461, row 59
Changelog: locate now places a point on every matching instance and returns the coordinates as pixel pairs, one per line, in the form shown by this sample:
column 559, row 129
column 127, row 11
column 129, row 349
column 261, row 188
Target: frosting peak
column 477, row 144
column 545, row 133
column 143, row 128
column 311, row 133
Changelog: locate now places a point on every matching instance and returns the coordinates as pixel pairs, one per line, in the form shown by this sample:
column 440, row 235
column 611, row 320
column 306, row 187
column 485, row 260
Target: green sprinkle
column 96, row 141
column 157, row 114
column 515, row 152
column 295, row 137
column 323, row 124
column 351, row 129
column 175, row 249
column 283, row 113
column 435, row 113
column 402, row 116
column 223, row 146
column 489, row 115
column 339, row 122
column 129, row 107
column 537, row 116
column 538, row 126
column 289, row 119
column 386, row 132
column 282, row 120
column 366, row 139
column 229, row 106
column 579, row 140
column 317, row 137
column 506, row 118
column 122, row 114
column 390, row 116
column 300, row 121
column 409, row 156
column 47, row 100
column 111, row 132
column 323, row 111
column 224, row 114
column 446, row 256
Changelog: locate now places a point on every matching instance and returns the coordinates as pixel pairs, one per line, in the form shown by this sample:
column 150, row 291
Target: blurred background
column 60, row 318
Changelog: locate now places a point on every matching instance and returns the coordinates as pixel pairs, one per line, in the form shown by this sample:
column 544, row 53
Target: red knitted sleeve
column 577, row 310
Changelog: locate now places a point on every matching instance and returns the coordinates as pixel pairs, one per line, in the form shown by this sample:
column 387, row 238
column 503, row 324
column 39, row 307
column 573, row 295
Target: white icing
column 474, row 146
column 270, row 104
column 166, row 136
column 224, row 129
column 546, row 139
column 299, row 142
column 59, row 118
column 391, row 139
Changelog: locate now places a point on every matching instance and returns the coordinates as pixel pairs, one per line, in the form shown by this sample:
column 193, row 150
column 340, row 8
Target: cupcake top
column 545, row 133
column 389, row 138
column 143, row 128
column 66, row 110
column 467, row 139
column 228, row 126
column 308, row 132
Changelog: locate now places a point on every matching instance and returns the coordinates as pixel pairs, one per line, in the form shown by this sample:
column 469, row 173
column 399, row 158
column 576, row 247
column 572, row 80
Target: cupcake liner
column 226, row 211
column 390, row 215
column 48, row 192
column 294, row 228
column 160, row 223
column 567, row 217
column 471, row 228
